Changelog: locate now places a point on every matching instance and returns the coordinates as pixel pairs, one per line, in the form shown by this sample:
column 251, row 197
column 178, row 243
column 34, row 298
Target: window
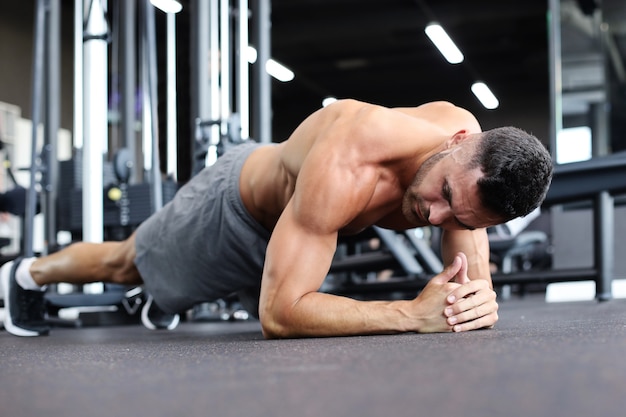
column 573, row 145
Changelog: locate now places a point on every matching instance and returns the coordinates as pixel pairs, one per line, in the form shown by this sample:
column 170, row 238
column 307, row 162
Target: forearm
column 284, row 315
column 475, row 245
column 319, row 314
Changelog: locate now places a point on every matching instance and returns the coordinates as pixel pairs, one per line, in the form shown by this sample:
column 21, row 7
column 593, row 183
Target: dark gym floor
column 565, row 359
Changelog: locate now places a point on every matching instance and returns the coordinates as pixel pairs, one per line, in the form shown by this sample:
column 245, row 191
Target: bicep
column 303, row 243
column 297, row 262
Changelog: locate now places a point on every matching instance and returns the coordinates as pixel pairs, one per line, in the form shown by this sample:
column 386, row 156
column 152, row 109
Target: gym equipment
column 45, row 94
column 596, row 180
column 97, row 196
column 131, row 203
column 509, row 249
column 406, row 253
column 221, row 104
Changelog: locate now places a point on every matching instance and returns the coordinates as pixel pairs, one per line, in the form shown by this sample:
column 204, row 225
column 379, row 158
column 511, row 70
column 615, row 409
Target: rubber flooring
column 561, row 359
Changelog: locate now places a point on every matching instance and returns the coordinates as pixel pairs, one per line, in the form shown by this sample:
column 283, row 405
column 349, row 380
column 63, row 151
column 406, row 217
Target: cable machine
column 84, row 201
column 221, row 103
column 221, row 97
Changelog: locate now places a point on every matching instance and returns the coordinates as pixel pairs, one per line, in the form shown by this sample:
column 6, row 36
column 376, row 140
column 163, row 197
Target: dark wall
column 16, row 52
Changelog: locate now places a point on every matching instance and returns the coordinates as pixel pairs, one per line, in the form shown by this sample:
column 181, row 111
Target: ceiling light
column 168, row 6
column 485, row 96
column 273, row 68
column 443, row 42
column 251, row 54
column 328, row 101
column 279, row 71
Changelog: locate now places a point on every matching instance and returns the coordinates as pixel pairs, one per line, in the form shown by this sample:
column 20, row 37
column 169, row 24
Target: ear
column 457, row 138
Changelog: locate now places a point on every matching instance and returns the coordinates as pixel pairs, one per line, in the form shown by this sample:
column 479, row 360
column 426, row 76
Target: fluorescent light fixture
column 279, row 71
column 168, row 6
column 273, row 68
column 251, row 54
column 443, row 42
column 485, row 96
column 328, row 101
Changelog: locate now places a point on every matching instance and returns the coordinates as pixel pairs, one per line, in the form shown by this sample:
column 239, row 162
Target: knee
column 121, row 265
column 126, row 276
column 123, row 273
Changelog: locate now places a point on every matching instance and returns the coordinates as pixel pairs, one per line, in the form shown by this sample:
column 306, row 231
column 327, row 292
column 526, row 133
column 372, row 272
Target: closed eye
column 446, row 192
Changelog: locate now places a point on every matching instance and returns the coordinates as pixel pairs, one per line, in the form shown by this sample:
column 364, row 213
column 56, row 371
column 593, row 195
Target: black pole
column 604, row 252
column 51, row 124
column 128, row 84
column 262, row 91
column 37, row 83
column 151, row 62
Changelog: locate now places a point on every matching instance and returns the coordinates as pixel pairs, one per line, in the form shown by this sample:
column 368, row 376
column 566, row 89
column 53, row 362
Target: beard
column 411, row 197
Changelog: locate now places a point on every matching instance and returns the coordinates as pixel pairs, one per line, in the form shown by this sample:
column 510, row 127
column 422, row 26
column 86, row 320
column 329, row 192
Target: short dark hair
column 517, row 171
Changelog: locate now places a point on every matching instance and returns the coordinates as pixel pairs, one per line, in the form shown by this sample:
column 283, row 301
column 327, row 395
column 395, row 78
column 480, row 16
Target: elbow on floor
column 273, row 327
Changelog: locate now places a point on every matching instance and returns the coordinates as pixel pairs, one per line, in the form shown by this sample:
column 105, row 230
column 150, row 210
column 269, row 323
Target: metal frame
column 46, row 93
column 221, row 104
column 95, row 101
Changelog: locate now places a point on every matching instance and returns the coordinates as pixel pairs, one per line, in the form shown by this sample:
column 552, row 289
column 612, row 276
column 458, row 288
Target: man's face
column 445, row 194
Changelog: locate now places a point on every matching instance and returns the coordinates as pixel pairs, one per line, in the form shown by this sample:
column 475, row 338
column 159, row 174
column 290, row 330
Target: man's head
column 517, row 171
column 480, row 180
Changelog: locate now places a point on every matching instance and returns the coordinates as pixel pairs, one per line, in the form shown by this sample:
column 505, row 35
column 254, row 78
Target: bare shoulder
column 335, row 162
column 447, row 115
column 363, row 132
column 356, row 135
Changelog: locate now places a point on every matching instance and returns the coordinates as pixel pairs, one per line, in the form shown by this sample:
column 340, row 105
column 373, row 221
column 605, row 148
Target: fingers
column 450, row 271
column 461, row 276
column 456, row 271
column 471, row 304
column 483, row 322
column 476, row 308
column 468, row 288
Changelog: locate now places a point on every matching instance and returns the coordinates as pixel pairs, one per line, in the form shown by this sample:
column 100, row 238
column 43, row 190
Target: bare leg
column 82, row 263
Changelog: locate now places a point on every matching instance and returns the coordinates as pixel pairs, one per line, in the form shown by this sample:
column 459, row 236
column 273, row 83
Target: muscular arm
column 473, row 305
column 291, row 306
column 297, row 262
column 334, row 185
column 475, row 245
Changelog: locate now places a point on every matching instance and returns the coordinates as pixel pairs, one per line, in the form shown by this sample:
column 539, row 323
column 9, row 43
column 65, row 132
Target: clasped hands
column 452, row 302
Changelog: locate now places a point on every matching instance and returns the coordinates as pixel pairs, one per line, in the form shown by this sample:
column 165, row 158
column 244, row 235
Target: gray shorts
column 204, row 245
